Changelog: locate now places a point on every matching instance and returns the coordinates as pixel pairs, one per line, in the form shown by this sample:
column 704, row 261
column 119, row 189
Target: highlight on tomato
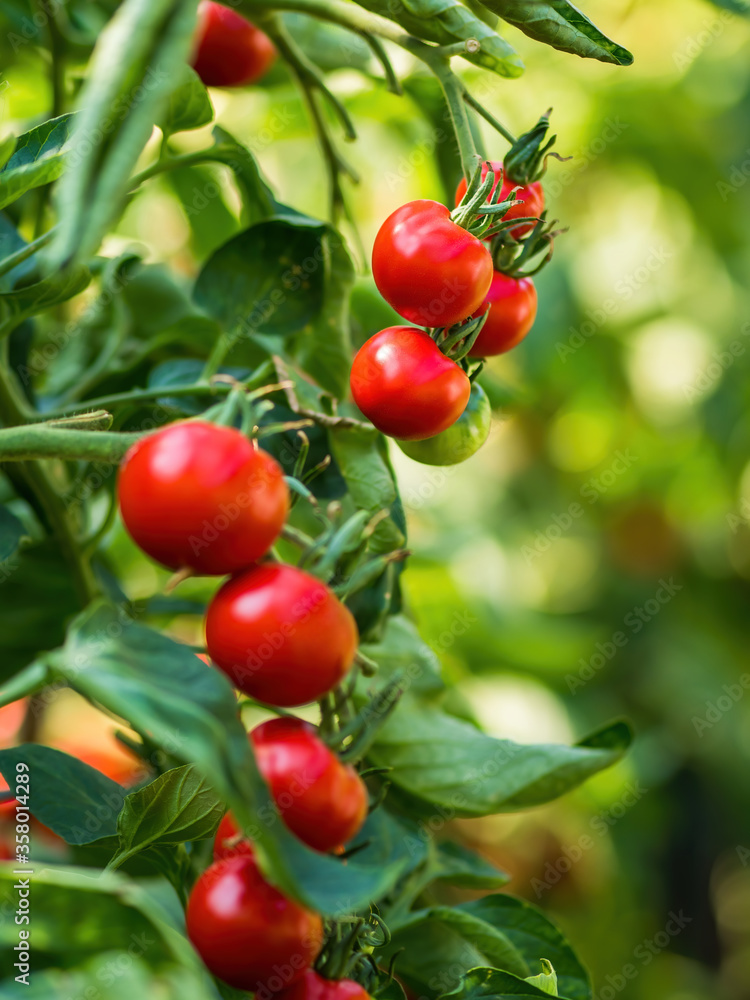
column 200, row 496
column 462, row 440
column 512, row 310
column 429, row 269
column 246, row 931
column 530, row 196
column 229, row 51
column 281, row 635
column 406, row 386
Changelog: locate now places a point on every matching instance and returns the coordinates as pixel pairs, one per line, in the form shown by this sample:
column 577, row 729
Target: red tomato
column 229, row 50
column 406, row 386
column 229, row 840
column 280, row 635
column 512, row 313
column 433, row 272
column 323, row 801
column 11, row 718
column 532, row 196
column 200, row 496
column 247, row 932
column 312, row 986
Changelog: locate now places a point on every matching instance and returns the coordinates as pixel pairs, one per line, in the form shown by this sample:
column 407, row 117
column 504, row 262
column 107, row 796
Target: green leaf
column 189, row 710
column 258, row 200
column 188, row 106
column 442, row 761
column 257, row 284
column 77, row 915
column 176, row 807
column 438, row 945
column 12, row 533
column 328, row 45
column 37, row 158
column 402, row 650
column 77, row 802
column 458, row 865
column 28, row 300
column 134, row 979
column 536, row 938
column 546, row 980
column 323, row 346
column 736, row 6
column 7, row 146
column 561, row 25
column 491, row 984
column 362, row 459
column 129, row 80
column 447, row 22
column 29, row 625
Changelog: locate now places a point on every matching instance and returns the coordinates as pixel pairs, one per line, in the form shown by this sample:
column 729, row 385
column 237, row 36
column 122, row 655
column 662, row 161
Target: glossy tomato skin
column 229, row 51
column 229, row 842
column 312, row 986
column 461, row 440
column 322, row 800
column 200, row 496
column 406, row 386
column 280, row 635
column 513, row 305
column 246, row 931
column 433, row 272
column 532, row 196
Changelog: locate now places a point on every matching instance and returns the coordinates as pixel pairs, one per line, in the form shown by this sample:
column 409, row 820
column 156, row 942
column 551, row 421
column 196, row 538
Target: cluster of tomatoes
column 414, row 385
column 200, row 497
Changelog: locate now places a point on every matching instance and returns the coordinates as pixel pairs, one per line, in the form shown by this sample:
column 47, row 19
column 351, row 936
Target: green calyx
column 480, row 211
column 526, row 160
column 527, row 255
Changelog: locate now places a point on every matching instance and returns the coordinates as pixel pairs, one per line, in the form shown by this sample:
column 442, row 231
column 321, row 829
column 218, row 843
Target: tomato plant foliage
column 101, row 348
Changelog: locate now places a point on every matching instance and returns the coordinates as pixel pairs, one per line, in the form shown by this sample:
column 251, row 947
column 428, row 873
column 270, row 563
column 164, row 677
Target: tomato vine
column 213, row 420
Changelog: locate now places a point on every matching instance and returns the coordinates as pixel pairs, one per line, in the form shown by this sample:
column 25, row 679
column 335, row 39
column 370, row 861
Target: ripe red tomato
column 229, row 841
column 406, row 386
column 280, row 635
column 512, row 313
column 229, row 50
column 201, row 496
column 433, row 272
column 312, row 986
column 322, row 800
column 532, row 196
column 247, row 932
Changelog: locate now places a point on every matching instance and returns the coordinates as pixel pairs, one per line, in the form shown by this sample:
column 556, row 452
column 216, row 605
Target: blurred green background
column 597, row 550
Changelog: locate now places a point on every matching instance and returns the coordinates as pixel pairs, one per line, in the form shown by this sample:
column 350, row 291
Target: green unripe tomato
column 458, row 442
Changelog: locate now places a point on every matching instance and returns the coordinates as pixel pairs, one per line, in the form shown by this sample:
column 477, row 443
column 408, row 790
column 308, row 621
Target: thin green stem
column 29, row 442
column 39, row 480
column 488, row 116
column 143, row 395
column 24, row 253
column 161, row 166
column 312, row 86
